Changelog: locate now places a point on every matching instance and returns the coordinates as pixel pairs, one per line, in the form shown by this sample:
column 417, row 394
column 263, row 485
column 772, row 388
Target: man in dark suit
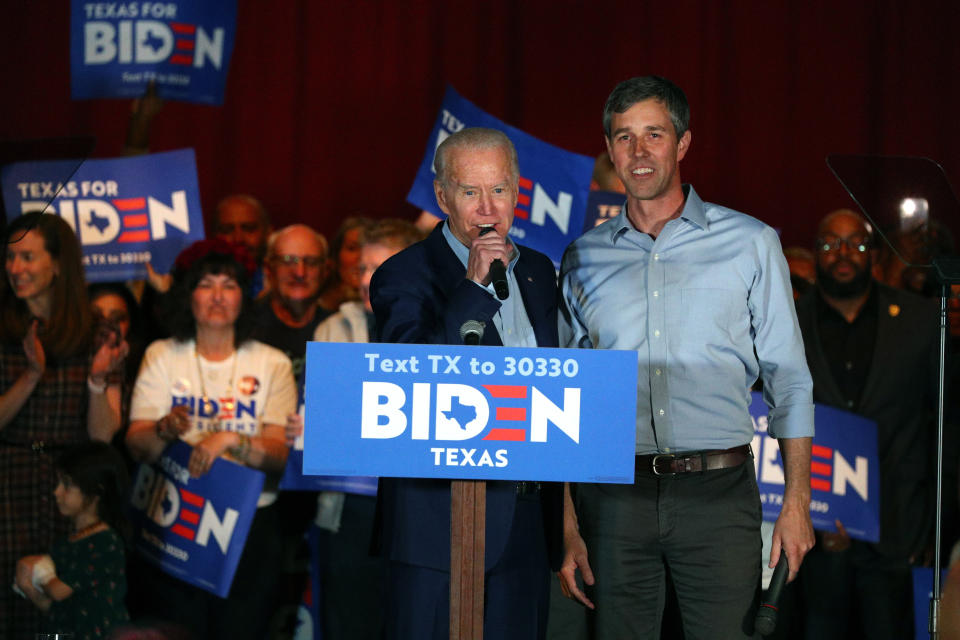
column 424, row 295
column 872, row 350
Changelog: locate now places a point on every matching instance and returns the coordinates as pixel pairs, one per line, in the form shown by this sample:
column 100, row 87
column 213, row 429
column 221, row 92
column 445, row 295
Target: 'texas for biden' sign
column 495, row 413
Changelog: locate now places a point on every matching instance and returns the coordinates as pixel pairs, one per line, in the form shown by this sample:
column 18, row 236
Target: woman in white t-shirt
column 228, row 396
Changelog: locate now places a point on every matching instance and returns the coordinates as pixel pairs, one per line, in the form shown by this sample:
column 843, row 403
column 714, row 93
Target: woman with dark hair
column 228, row 396
column 81, row 584
column 53, row 393
column 343, row 281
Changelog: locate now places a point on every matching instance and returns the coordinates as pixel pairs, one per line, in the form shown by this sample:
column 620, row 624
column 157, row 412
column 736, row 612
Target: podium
column 468, row 414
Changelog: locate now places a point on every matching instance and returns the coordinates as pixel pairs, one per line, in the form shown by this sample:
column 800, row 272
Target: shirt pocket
column 710, row 317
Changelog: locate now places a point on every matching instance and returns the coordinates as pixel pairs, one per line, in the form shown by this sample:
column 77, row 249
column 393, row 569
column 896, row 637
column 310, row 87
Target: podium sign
column 481, row 413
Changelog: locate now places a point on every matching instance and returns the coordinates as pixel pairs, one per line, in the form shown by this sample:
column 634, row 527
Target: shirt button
column 849, row 366
column 661, row 411
column 656, row 294
column 656, row 333
column 656, row 371
column 849, row 404
column 656, row 256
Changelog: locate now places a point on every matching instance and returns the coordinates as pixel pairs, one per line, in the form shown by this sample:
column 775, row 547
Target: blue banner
column 116, row 48
column 194, row 528
column 844, row 471
column 553, row 183
column 126, row 211
column 601, row 206
column 482, row 413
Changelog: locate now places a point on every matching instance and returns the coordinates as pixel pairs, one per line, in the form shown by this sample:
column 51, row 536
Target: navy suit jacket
column 421, row 296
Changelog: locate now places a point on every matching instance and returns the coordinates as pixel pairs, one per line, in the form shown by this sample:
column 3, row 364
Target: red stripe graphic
column 134, row 236
column 511, row 413
column 191, row 498
column 523, row 199
column 180, row 27
column 521, row 213
column 822, row 452
column 179, row 58
column 514, row 435
column 526, row 183
column 136, row 220
column 506, row 390
column 820, row 484
column 820, row 468
column 189, row 516
column 186, row 45
column 130, row 204
column 182, row 531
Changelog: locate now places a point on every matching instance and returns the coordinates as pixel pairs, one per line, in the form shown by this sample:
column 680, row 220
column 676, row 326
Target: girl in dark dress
column 81, row 584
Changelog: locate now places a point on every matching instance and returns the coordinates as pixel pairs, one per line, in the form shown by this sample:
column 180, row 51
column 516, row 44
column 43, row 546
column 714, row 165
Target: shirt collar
column 463, row 253
column 693, row 212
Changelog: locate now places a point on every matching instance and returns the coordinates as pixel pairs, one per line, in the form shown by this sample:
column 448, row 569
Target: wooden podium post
column 468, row 518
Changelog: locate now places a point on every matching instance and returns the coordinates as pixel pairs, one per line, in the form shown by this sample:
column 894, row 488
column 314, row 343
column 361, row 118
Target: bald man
column 872, row 350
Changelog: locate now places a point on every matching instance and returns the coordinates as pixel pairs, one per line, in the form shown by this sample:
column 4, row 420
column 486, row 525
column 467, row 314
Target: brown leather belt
column 668, row 464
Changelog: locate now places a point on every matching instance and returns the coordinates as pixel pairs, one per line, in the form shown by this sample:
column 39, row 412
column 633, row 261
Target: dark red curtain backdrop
column 328, row 104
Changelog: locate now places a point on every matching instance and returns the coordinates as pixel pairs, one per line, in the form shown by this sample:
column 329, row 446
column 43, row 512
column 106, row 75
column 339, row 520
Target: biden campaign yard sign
column 117, row 48
column 125, row 211
column 481, row 413
column 554, row 183
column 844, row 471
column 194, row 528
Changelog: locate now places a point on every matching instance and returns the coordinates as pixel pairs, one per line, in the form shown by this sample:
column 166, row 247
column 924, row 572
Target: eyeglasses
column 856, row 244
column 288, row 260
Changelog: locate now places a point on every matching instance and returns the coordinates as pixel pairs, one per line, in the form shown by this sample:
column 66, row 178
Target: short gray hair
column 474, row 138
column 630, row 92
column 317, row 236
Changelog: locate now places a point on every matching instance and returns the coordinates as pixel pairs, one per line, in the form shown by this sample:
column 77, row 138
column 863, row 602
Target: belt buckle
column 656, row 458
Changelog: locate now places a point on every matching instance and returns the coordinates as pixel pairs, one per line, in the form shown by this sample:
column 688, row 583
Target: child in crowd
column 81, row 584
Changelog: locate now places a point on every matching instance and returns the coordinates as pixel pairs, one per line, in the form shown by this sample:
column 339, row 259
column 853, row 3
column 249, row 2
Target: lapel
column 825, row 387
column 888, row 328
column 536, row 307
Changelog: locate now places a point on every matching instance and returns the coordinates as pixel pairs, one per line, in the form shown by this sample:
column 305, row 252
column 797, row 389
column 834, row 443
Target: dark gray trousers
column 704, row 526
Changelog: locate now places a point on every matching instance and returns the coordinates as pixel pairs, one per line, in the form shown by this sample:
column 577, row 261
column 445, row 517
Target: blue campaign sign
column 194, row 528
column 126, row 211
column 482, row 413
column 601, row 206
column 844, row 471
column 553, row 182
column 117, row 48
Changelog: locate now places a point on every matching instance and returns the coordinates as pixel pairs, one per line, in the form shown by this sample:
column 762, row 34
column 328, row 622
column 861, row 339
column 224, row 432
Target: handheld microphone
column 471, row 332
column 498, row 273
column 766, row 620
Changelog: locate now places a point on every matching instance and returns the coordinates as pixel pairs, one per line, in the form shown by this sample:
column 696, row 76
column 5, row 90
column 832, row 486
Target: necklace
column 83, row 531
column 205, row 401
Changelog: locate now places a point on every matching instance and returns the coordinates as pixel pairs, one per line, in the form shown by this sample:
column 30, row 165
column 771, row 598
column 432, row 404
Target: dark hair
column 630, row 92
column 68, row 330
column 97, row 469
column 135, row 336
column 205, row 257
column 349, row 224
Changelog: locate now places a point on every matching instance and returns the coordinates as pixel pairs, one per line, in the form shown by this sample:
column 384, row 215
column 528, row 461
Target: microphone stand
column 947, row 270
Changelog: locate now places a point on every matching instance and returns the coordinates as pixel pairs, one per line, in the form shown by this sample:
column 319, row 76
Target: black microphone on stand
column 471, row 332
column 498, row 273
column 766, row 620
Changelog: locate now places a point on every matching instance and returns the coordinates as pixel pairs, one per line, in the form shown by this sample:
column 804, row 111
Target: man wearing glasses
column 872, row 350
column 288, row 315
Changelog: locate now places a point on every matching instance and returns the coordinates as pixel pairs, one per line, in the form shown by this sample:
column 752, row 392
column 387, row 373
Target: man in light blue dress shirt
column 702, row 294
